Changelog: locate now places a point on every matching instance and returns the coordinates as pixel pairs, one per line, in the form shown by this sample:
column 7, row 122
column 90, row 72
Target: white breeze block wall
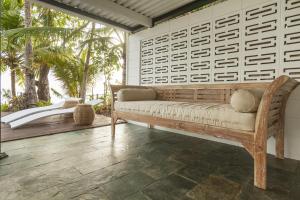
column 231, row 42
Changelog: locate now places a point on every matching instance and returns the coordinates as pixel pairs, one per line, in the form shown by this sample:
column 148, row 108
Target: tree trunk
column 86, row 65
column 30, row 90
column 13, row 80
column 43, row 83
column 104, row 92
column 124, row 59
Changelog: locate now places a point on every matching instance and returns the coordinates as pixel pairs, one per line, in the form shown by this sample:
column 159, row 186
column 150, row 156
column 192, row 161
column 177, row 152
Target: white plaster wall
column 292, row 124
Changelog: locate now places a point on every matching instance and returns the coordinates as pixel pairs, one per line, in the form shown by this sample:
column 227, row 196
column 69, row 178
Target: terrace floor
column 140, row 164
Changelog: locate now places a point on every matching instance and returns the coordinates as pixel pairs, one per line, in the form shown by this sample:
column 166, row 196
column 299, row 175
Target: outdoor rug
column 48, row 126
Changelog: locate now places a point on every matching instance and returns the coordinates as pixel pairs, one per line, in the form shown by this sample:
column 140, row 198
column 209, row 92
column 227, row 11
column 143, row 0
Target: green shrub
column 4, row 107
column 103, row 109
column 18, row 103
column 43, row 103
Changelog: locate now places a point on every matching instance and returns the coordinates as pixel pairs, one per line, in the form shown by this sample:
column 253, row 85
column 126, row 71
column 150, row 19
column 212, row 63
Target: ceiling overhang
column 110, row 12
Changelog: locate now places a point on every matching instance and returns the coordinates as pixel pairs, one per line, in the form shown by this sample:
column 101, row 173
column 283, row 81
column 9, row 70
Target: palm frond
column 37, row 32
column 56, row 93
column 76, row 32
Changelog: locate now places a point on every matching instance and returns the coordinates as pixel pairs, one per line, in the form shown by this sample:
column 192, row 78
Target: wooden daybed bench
column 206, row 109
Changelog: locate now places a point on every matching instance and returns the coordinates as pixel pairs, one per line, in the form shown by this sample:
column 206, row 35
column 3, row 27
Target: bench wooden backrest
column 219, row 93
column 195, row 92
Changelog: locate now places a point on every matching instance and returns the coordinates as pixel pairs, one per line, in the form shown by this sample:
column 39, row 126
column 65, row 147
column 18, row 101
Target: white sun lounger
column 23, row 113
column 30, row 118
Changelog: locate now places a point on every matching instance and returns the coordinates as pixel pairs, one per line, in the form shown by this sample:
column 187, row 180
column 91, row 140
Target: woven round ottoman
column 84, row 114
column 70, row 103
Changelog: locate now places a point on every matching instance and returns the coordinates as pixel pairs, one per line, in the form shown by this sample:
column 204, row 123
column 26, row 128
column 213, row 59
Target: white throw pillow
column 135, row 94
column 246, row 101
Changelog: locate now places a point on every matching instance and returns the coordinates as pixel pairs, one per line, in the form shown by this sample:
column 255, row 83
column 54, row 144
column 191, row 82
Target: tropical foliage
column 36, row 41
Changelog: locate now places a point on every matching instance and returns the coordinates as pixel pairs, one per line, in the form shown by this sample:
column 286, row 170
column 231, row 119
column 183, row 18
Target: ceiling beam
column 81, row 14
column 119, row 10
column 175, row 13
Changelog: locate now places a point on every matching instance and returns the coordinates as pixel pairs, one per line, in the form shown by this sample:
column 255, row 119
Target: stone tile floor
column 139, row 164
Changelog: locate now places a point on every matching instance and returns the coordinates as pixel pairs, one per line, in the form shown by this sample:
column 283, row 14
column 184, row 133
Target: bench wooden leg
column 279, row 139
column 150, row 126
column 260, row 167
column 113, row 125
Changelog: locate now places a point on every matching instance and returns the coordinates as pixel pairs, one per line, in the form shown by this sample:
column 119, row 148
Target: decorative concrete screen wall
column 253, row 42
column 233, row 41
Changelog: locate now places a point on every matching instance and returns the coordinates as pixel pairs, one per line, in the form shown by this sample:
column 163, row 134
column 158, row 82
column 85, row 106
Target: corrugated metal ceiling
column 152, row 8
column 126, row 14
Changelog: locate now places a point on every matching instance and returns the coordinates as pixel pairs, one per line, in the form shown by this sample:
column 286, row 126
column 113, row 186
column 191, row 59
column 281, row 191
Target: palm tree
column 30, row 91
column 107, row 59
column 11, row 60
column 74, row 62
column 47, row 19
column 70, row 69
column 35, row 36
column 87, row 63
column 122, row 38
column 10, row 55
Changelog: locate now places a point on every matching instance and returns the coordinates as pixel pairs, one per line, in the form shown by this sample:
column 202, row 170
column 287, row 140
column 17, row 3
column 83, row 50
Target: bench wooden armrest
column 272, row 106
column 270, row 122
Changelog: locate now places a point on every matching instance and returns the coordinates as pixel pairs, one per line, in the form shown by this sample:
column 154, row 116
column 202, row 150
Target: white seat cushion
column 214, row 114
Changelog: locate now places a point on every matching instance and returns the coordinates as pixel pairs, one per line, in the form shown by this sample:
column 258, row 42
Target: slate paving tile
column 38, row 183
column 215, row 187
column 126, row 186
column 186, row 143
column 25, row 186
column 173, row 187
column 158, row 147
column 43, row 161
column 165, row 168
column 187, row 156
column 93, row 165
column 198, row 171
column 8, row 169
column 80, row 186
column 237, row 173
column 15, row 159
column 295, row 190
column 279, row 186
column 155, row 156
column 229, row 154
column 285, row 164
column 279, row 180
column 95, row 194
column 249, row 192
column 53, row 193
column 131, row 165
column 137, row 196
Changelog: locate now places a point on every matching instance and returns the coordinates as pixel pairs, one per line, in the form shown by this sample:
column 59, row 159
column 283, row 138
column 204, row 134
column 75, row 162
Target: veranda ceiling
column 129, row 15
